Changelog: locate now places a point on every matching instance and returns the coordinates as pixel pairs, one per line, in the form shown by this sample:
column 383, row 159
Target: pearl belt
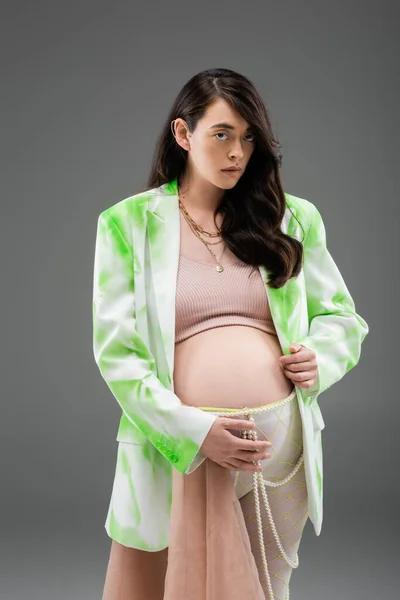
column 260, row 483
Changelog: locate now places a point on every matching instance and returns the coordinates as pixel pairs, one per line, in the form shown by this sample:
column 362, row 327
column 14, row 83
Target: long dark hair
column 253, row 210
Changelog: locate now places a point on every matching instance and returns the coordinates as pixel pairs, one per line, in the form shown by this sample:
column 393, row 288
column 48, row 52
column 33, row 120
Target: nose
column 236, row 151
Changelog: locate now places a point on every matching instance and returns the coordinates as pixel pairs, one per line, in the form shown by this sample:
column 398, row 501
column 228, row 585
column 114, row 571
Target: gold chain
column 196, row 230
column 195, row 225
column 207, row 244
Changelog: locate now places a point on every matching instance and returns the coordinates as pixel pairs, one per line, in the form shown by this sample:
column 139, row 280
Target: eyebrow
column 225, row 126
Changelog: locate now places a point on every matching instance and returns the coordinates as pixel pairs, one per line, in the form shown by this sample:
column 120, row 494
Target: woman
column 219, row 317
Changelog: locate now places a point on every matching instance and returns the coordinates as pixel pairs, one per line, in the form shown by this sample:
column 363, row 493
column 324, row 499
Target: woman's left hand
column 301, row 366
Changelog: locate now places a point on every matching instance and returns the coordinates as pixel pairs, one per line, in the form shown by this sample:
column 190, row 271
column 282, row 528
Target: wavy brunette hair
column 253, row 210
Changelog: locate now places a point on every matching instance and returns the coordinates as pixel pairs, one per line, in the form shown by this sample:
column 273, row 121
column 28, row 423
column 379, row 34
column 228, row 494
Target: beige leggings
column 134, row 574
column 288, row 502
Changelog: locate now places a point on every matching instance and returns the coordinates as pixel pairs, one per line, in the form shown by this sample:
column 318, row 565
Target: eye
column 222, row 133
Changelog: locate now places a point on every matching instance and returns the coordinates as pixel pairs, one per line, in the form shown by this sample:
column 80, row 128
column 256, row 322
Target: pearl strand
column 258, row 409
column 259, row 481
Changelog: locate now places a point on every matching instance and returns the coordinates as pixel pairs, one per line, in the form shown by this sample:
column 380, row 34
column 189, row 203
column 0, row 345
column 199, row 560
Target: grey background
column 85, row 88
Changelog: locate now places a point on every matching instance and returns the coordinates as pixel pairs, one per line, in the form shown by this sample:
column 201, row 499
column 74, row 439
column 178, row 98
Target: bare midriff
column 233, row 366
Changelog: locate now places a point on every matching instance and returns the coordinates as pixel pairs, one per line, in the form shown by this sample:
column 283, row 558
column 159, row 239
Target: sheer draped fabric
column 209, row 555
column 214, row 550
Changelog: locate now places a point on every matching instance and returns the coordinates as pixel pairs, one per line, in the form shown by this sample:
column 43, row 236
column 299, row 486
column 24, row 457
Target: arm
column 127, row 365
column 336, row 331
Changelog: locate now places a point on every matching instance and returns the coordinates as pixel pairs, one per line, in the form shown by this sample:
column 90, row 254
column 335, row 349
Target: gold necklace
column 219, row 267
column 195, row 225
column 195, row 228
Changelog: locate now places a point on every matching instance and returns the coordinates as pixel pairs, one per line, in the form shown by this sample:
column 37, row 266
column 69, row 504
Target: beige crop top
column 206, row 298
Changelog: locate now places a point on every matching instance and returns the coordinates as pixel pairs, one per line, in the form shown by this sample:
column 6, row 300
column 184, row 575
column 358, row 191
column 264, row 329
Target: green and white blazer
column 135, row 271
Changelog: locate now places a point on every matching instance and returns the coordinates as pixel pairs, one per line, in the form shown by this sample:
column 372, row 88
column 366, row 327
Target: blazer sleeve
column 336, row 331
column 126, row 363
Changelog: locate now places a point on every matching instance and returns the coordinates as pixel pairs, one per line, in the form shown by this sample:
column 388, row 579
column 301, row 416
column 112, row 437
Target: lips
column 232, row 170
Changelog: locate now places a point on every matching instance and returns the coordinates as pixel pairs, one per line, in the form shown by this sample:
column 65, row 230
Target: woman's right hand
column 230, row 451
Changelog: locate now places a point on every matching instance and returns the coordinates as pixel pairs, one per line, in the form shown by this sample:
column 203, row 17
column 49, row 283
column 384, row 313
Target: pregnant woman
column 219, row 316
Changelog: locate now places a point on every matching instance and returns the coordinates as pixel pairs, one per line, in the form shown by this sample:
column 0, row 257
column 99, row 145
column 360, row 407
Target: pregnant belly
column 230, row 367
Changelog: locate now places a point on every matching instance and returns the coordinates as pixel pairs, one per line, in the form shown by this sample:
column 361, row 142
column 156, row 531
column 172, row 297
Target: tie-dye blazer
column 135, row 271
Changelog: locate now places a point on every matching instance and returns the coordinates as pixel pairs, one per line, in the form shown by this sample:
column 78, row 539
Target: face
column 221, row 139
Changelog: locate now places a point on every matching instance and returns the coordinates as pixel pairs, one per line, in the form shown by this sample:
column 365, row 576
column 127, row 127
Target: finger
column 307, row 365
column 242, row 425
column 308, row 383
column 241, row 465
column 252, row 445
column 300, row 356
column 252, row 456
column 301, row 377
column 296, row 359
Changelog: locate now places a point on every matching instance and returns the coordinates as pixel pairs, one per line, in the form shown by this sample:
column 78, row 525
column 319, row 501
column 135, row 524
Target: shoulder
column 124, row 213
column 303, row 208
column 129, row 207
column 311, row 217
column 304, row 212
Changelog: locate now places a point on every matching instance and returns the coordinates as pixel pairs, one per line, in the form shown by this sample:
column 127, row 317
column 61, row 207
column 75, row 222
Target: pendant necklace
column 196, row 230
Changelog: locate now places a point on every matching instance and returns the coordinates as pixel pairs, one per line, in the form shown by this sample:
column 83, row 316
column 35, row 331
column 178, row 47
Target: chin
column 222, row 182
column 227, row 184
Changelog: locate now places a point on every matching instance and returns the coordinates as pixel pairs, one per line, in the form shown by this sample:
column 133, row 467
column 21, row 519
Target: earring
column 172, row 129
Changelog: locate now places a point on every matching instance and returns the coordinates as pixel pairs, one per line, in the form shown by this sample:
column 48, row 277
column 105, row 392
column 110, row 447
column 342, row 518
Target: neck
column 199, row 196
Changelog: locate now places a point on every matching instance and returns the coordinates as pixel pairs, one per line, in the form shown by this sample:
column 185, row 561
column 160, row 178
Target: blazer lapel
column 163, row 230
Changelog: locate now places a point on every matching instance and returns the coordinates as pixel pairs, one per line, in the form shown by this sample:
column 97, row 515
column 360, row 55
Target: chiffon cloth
column 209, row 554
